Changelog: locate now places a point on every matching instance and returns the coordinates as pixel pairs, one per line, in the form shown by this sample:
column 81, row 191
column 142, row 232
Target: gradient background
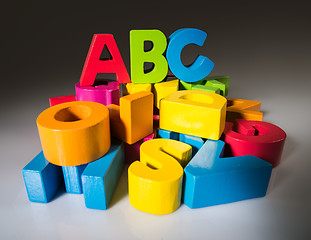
column 263, row 45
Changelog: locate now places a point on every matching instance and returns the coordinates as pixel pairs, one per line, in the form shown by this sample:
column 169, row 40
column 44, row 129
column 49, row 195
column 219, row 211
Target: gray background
column 263, row 45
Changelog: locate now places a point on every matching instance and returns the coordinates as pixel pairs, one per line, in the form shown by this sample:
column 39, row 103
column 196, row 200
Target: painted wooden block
column 100, row 178
column 94, row 64
column 132, row 150
column 133, row 119
column 72, row 178
column 221, row 81
column 199, row 85
column 206, row 88
column 74, row 133
column 243, row 109
column 155, row 182
column 58, row 100
column 168, row 134
column 156, row 119
column 195, row 142
column 42, row 179
column 211, row 180
column 188, row 86
column 200, row 68
column 135, row 88
column 139, row 57
column 196, row 113
column 105, row 93
column 72, row 175
column 163, row 90
column 261, row 139
column 216, row 84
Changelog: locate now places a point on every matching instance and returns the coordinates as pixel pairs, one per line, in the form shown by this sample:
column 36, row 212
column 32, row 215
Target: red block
column 93, row 64
column 62, row 99
column 261, row 139
column 156, row 119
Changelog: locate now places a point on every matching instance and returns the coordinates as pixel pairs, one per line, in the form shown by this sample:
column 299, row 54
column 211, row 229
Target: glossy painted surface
column 201, row 66
column 162, row 133
column 164, row 89
column 94, row 65
column 155, row 182
column 74, row 133
column 137, row 87
column 42, row 179
column 243, row 109
column 58, row 100
column 100, row 178
column 261, row 139
column 215, row 84
column 72, row 175
column 133, row 119
column 195, row 142
column 72, row 178
column 138, row 56
column 196, row 113
column 219, row 81
column 104, row 94
column 212, row 180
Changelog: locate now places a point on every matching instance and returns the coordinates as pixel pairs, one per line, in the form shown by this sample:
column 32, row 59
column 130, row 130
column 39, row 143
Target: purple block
column 104, row 94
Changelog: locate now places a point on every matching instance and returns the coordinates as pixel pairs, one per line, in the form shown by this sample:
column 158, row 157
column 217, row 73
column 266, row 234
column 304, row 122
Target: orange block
column 74, row 133
column 133, row 119
column 243, row 109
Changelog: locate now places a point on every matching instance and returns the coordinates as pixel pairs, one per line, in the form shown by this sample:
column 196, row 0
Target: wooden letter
column 133, row 119
column 261, row 139
column 197, row 113
column 200, row 68
column 155, row 183
column 212, row 180
column 93, row 64
column 139, row 56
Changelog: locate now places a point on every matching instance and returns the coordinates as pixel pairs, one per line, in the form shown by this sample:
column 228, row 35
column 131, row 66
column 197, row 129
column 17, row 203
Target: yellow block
column 135, row 88
column 155, row 182
column 194, row 112
column 74, row 133
column 164, row 89
column 133, row 119
column 243, row 109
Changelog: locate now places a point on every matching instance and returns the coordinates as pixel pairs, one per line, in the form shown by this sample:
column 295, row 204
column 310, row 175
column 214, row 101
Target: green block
column 189, row 86
column 215, row 84
column 138, row 56
column 206, row 88
column 219, row 81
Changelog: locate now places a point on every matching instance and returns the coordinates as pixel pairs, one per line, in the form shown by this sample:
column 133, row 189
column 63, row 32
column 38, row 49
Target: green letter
column 155, row 56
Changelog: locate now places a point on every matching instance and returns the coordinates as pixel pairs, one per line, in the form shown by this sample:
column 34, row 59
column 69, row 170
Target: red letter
column 93, row 64
column 261, row 139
